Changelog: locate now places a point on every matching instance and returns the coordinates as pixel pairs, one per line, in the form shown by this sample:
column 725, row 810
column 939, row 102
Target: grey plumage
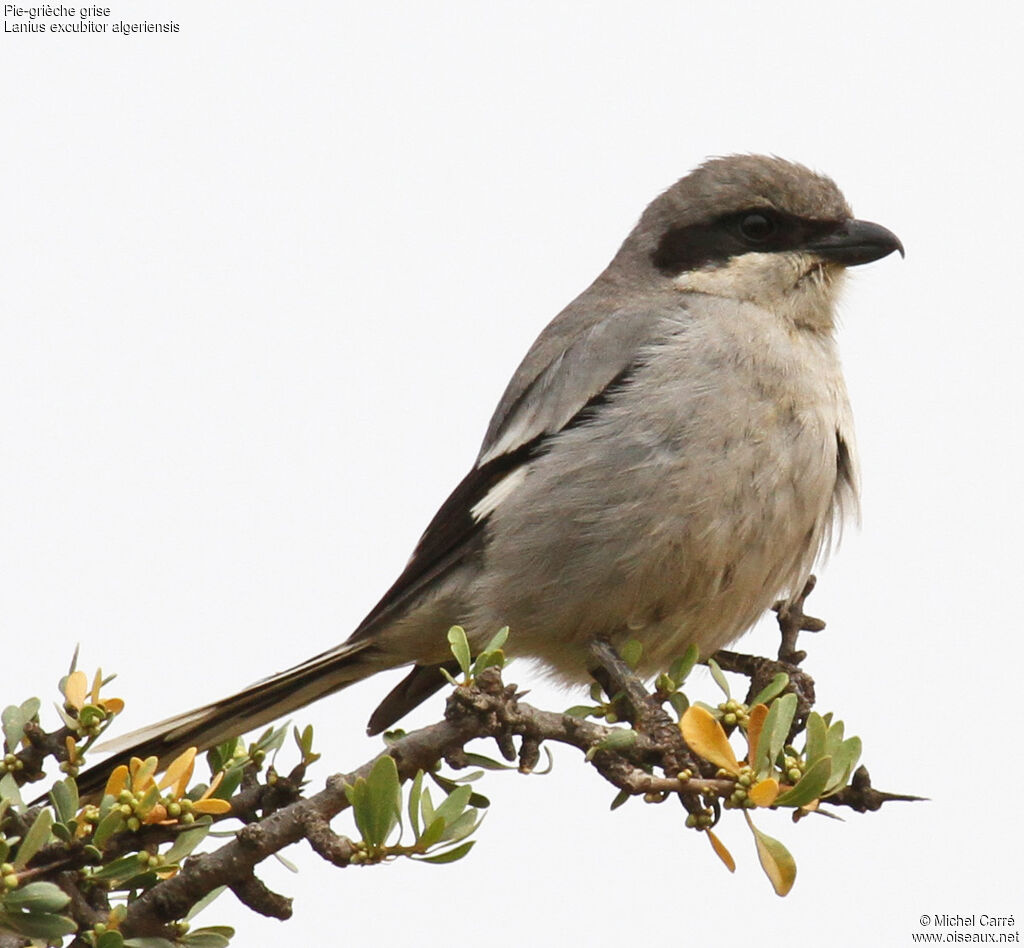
column 671, row 456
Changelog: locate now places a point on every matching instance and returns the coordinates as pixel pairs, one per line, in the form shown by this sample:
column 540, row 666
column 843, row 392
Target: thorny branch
column 657, row 764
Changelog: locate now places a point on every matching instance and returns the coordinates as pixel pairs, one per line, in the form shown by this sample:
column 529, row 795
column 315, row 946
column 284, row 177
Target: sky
column 263, row 281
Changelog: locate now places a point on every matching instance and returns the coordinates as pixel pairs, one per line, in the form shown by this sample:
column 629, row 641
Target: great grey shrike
column 670, row 458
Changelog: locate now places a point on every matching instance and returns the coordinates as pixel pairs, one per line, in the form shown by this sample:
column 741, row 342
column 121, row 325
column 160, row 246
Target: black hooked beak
column 855, row 242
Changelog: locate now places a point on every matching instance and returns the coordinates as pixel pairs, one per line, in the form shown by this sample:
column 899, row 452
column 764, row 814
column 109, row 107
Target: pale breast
column 699, row 494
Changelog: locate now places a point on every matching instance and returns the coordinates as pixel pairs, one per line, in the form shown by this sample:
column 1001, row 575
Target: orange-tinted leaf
column 97, row 683
column 212, row 805
column 778, row 864
column 719, row 847
column 116, row 781
column 156, row 814
column 704, row 736
column 755, row 722
column 113, row 705
column 72, row 749
column 142, row 772
column 75, row 689
column 764, row 792
column 214, row 784
column 179, row 773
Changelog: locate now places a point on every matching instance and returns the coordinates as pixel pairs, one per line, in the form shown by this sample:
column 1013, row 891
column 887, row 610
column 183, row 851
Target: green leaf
column 271, row 739
column 776, row 860
column 621, row 797
column 427, row 807
column 220, row 756
column 64, row 795
column 449, row 677
column 680, row 703
column 14, row 719
column 287, row 863
column 37, row 897
column 148, row 942
column 774, row 733
column 719, row 677
column 9, row 791
column 431, row 835
column 489, row 660
column 229, row 783
column 377, row 801
column 619, row 739
column 462, row 827
column 450, row 855
column 35, row 839
column 488, row 763
column 112, row 823
column 204, row 901
column 453, row 805
column 631, row 652
column 844, row 762
column 120, row 870
column 681, row 667
column 492, row 653
column 773, row 689
column 499, row 640
column 110, row 939
column 207, row 938
column 816, row 731
column 414, row 803
column 460, row 648
column 50, row 927
column 304, row 739
column 810, row 786
column 834, row 738
column 186, row 842
column 581, row 710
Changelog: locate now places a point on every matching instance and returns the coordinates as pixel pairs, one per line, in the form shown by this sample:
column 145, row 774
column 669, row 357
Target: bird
column 671, row 457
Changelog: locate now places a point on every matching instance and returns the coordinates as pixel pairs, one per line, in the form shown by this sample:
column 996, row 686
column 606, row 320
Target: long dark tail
column 249, row 708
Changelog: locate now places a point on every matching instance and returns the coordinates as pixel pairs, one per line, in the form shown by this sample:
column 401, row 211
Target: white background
column 263, row 281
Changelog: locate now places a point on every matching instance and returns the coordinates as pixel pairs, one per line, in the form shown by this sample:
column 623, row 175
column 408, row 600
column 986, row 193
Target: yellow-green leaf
column 704, row 736
column 142, row 772
column 460, row 648
column 778, row 864
column 719, row 847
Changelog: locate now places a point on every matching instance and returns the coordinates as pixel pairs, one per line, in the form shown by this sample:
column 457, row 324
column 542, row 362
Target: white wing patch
column 497, row 494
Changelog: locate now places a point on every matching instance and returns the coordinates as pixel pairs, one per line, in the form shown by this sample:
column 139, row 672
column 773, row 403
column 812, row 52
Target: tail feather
column 250, row 708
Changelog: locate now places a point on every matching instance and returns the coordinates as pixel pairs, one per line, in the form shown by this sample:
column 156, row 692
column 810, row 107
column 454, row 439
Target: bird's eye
column 757, row 227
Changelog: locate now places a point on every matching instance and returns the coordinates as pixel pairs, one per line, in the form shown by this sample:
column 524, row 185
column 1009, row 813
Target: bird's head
column 757, row 229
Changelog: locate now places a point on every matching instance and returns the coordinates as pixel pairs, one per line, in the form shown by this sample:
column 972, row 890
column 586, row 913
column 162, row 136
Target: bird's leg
column 639, row 707
column 793, row 621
